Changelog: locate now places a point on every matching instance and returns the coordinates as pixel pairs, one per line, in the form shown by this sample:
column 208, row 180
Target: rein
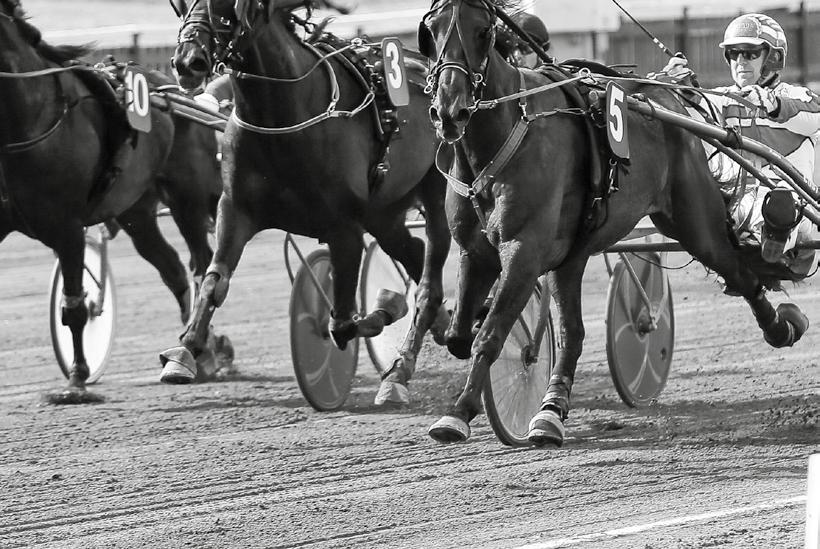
column 323, row 60
column 20, row 146
column 330, row 112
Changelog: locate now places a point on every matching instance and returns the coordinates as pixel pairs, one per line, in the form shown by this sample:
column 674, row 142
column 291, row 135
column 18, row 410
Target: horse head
column 193, row 57
column 458, row 35
column 16, row 36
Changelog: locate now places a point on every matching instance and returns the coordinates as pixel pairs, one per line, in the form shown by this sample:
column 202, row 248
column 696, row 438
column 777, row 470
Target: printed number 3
column 394, row 75
column 616, row 115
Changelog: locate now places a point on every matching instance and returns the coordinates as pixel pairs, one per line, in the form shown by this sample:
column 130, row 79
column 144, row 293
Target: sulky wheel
column 516, row 383
column 324, row 372
column 381, row 271
column 639, row 351
column 98, row 334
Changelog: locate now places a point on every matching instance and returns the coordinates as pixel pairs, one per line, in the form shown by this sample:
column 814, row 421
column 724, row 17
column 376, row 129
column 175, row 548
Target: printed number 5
column 394, row 75
column 616, row 114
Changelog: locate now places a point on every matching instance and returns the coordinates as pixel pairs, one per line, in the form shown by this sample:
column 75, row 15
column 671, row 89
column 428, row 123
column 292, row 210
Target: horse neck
column 278, row 53
column 488, row 129
column 27, row 105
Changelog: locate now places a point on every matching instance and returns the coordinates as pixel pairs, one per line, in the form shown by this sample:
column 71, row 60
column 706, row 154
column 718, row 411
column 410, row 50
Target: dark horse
column 57, row 139
column 299, row 154
column 531, row 214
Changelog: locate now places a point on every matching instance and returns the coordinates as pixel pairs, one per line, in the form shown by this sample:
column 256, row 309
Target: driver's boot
column 781, row 213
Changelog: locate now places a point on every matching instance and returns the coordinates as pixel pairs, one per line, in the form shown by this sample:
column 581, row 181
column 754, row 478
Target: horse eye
column 486, row 32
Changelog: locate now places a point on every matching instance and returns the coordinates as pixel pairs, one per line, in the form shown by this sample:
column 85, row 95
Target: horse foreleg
column 346, row 247
column 140, row 223
column 429, row 298
column 71, row 253
column 547, row 426
column 476, row 274
column 194, row 360
column 518, row 277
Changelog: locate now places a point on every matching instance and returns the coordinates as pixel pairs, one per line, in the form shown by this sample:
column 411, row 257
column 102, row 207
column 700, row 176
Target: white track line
column 619, row 532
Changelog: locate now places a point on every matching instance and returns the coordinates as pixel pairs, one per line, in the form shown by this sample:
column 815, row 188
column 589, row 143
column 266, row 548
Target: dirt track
column 719, row 462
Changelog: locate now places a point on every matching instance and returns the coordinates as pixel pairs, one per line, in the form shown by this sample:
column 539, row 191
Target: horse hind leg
column 701, row 230
column 140, row 223
column 547, row 426
column 75, row 314
column 201, row 353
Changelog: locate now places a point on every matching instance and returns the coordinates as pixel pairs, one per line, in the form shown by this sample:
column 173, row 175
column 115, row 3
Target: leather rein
column 229, row 52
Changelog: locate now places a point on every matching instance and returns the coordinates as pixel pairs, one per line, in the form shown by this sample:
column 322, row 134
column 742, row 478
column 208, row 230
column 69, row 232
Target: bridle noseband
column 197, row 29
column 476, row 77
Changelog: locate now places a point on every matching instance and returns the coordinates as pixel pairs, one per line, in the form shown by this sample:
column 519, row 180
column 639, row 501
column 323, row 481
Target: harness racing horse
column 56, row 141
column 299, row 154
column 528, row 218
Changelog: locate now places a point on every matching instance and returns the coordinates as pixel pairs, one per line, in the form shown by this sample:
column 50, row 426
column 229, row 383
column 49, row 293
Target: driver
column 218, row 95
column 516, row 49
column 787, row 119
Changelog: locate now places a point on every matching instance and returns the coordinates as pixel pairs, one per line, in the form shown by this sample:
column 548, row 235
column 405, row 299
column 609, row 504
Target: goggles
column 747, row 54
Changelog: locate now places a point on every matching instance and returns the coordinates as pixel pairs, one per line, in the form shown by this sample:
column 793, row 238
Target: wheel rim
column 639, row 356
column 324, row 373
column 99, row 331
column 516, row 385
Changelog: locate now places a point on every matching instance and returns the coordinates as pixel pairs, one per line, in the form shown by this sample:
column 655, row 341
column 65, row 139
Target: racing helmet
column 534, row 28
column 757, row 29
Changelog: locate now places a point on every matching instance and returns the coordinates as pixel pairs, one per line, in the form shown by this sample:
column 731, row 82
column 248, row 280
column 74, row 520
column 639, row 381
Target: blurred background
column 145, row 30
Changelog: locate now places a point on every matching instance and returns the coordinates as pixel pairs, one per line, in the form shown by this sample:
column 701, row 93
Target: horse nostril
column 434, row 115
column 181, row 69
column 462, row 116
column 199, row 65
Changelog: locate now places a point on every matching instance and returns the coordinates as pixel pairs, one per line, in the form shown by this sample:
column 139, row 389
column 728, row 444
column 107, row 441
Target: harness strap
column 494, row 167
column 330, row 112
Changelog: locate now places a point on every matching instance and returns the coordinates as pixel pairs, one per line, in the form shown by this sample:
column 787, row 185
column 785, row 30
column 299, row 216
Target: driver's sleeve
column 799, row 110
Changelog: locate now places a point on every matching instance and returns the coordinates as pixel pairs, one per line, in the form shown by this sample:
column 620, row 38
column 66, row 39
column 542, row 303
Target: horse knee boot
column 74, row 311
column 781, row 214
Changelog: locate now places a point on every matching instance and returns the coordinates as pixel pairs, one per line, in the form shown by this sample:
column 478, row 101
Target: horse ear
column 180, row 7
column 427, row 46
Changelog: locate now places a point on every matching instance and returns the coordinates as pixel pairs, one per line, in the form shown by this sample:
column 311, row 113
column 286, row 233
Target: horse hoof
column 794, row 316
column 440, row 325
column 793, row 323
column 459, row 347
column 178, row 366
column 449, row 429
column 393, row 304
column 342, row 331
column 391, row 392
column 546, row 428
column 223, row 348
column 73, row 395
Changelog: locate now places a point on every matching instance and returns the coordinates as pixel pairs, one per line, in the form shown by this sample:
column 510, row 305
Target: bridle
column 197, row 29
column 476, row 76
column 229, row 35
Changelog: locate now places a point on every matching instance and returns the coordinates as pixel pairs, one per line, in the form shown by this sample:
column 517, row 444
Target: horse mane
column 57, row 54
column 510, row 6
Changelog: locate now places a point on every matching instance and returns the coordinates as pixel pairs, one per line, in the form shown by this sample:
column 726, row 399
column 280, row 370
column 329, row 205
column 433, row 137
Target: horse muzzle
column 190, row 69
column 450, row 124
